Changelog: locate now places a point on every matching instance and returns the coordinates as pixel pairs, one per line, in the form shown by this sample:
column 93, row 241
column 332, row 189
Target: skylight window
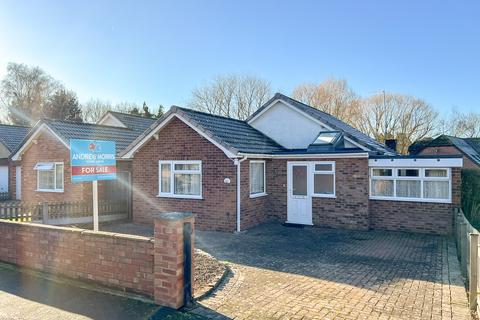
column 327, row 137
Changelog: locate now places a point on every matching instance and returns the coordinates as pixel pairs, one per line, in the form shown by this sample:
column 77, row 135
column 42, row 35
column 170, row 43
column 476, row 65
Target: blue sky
column 158, row 51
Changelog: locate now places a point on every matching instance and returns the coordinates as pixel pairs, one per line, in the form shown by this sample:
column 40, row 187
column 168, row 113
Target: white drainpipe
column 237, row 162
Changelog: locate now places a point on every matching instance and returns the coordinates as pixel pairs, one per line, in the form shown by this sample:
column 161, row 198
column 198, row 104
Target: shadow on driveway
column 25, row 296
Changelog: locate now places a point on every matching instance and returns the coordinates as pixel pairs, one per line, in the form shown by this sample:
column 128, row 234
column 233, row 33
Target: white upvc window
column 180, row 179
column 50, row 176
column 324, row 179
column 411, row 184
column 257, row 178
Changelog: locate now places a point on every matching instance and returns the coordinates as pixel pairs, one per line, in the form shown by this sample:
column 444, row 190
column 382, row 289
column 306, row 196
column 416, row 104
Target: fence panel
column 61, row 212
column 466, row 238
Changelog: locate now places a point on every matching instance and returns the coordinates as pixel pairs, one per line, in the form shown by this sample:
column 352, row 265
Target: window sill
column 47, row 190
column 411, row 199
column 258, row 195
column 174, row 196
column 331, row 196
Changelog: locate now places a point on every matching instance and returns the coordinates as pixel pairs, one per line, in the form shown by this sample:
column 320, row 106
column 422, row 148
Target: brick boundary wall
column 126, row 262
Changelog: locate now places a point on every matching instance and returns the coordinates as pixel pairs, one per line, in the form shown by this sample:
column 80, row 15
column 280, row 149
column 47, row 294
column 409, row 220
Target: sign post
column 92, row 160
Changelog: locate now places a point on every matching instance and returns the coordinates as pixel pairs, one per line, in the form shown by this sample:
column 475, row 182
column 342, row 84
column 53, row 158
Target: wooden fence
column 61, row 213
column 466, row 237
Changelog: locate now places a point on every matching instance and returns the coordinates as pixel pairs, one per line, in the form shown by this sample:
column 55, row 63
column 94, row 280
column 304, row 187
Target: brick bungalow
column 468, row 148
column 291, row 162
column 10, row 138
column 40, row 166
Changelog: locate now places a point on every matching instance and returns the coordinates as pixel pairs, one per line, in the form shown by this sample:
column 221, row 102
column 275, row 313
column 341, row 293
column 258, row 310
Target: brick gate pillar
column 169, row 258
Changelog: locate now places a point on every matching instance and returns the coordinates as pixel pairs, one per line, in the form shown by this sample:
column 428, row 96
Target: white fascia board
column 130, row 154
column 308, row 117
column 417, row 162
column 40, row 129
column 305, row 156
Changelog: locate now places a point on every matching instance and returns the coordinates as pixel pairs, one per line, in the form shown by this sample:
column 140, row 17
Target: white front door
column 299, row 199
column 18, row 182
column 3, row 179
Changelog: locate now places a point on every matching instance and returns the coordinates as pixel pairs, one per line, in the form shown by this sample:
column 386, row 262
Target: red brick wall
column 177, row 141
column 49, row 149
column 424, row 217
column 348, row 210
column 254, row 210
column 121, row 261
column 449, row 150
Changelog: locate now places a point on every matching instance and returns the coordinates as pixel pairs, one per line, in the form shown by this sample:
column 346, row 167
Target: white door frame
column 292, row 200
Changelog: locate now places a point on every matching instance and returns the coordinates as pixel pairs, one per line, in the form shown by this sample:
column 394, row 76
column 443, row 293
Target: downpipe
column 238, row 162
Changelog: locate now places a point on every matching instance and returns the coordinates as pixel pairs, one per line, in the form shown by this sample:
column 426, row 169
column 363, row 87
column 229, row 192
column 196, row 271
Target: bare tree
column 231, row 96
column 399, row 116
column 333, row 96
column 25, row 92
column 94, row 109
column 466, row 125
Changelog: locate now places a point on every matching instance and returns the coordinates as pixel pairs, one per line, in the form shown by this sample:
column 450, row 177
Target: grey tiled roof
column 468, row 146
column 236, row 134
column 136, row 123
column 67, row 130
column 331, row 121
column 12, row 136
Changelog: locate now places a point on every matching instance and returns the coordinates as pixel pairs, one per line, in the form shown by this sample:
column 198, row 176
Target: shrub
column 471, row 195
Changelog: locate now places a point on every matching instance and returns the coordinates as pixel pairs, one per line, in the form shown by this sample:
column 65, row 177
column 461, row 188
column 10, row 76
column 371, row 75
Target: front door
column 299, row 200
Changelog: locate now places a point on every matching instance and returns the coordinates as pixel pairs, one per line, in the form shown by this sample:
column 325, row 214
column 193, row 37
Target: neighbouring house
column 10, row 138
column 469, row 148
column 40, row 165
column 291, row 162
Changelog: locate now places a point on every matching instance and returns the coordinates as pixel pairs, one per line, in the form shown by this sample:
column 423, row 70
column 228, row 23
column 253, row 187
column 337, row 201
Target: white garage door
column 3, row 178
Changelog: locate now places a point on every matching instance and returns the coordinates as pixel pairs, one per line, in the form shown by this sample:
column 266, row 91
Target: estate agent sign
column 92, row 160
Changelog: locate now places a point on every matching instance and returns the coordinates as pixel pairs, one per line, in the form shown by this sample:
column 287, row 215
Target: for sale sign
column 92, row 160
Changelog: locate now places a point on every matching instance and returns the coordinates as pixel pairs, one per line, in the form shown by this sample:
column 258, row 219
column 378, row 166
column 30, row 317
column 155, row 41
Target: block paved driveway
column 310, row 273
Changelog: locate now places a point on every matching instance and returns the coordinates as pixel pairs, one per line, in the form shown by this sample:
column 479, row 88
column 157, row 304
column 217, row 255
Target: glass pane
column 59, row 176
column 408, row 188
column 435, row 173
column 165, row 178
column 323, row 167
column 408, row 172
column 257, row 183
column 187, row 184
column 299, row 180
column 435, row 189
column 382, row 172
column 323, row 184
column 382, row 188
column 326, row 137
column 187, row 166
column 46, row 180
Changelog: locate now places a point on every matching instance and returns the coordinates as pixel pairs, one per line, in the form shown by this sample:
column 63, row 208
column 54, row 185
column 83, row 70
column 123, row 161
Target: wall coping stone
column 173, row 215
column 85, row 232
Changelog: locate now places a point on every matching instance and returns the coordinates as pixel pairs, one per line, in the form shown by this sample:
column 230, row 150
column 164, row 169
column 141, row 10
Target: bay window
column 49, row 176
column 180, row 179
column 324, row 179
column 257, row 178
column 411, row 184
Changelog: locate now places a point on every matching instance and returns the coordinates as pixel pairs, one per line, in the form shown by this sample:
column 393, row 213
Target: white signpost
column 92, row 160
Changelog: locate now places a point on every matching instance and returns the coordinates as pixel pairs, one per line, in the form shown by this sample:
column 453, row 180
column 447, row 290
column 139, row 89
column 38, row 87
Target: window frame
column 260, row 194
column 323, row 172
column 173, row 171
column 421, row 177
column 55, row 189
